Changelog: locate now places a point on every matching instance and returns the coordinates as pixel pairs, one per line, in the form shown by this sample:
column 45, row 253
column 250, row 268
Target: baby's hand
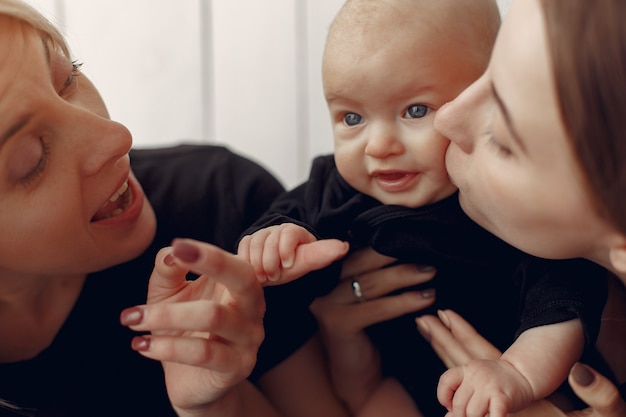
column 282, row 253
column 483, row 387
column 273, row 249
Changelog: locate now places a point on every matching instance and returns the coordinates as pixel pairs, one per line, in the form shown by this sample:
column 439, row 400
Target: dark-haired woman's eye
column 501, row 150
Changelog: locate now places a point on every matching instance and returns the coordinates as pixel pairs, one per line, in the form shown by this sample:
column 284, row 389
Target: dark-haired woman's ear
column 617, row 256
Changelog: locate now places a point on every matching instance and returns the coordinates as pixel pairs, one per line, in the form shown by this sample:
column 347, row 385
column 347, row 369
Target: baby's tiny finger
column 271, row 258
column 243, row 249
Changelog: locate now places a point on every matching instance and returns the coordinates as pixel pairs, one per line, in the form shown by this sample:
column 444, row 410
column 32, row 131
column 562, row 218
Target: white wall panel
column 144, row 57
column 255, row 80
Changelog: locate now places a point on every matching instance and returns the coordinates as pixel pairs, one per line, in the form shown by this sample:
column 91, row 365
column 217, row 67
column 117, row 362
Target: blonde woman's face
column 510, row 155
column 62, row 163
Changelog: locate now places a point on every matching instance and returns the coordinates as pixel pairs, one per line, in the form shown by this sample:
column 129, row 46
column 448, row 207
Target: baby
column 388, row 66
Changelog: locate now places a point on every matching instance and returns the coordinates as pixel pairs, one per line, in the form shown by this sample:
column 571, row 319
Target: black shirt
column 500, row 290
column 201, row 192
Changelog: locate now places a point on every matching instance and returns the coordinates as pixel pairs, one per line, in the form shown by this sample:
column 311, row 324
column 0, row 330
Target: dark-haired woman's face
column 509, row 153
column 68, row 201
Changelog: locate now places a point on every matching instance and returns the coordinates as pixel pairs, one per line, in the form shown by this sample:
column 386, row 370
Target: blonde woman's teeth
column 119, row 192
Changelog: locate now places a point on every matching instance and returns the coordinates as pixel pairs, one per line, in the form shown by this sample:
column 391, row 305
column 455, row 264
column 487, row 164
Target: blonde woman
column 83, row 218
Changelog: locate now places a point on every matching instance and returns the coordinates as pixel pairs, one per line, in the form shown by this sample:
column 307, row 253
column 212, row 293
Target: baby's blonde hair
column 21, row 11
column 475, row 21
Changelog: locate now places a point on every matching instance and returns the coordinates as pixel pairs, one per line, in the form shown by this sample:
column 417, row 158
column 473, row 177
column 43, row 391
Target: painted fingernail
column 423, row 328
column 429, row 293
column 444, row 318
column 425, row 268
column 169, row 259
column 140, row 343
column 131, row 316
column 186, row 251
column 582, row 375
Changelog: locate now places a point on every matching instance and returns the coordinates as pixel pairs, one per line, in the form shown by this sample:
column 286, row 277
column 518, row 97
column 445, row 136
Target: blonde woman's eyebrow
column 507, row 118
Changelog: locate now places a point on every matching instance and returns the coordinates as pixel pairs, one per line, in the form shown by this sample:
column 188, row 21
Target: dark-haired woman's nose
column 461, row 119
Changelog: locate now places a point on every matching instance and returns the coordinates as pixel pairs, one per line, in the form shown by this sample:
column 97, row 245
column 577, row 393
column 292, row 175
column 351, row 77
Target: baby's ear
column 617, row 256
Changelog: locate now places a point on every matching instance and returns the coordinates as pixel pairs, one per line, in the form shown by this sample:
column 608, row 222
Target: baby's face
column 382, row 103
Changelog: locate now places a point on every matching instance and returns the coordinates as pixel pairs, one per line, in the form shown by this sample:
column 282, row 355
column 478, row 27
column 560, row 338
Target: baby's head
column 387, row 67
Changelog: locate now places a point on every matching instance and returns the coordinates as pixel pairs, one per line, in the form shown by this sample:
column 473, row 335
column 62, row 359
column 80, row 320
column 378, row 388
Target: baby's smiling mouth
column 116, row 204
column 395, row 181
column 391, row 176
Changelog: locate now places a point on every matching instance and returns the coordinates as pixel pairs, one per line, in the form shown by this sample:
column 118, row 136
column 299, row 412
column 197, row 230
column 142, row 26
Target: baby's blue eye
column 416, row 111
column 352, row 119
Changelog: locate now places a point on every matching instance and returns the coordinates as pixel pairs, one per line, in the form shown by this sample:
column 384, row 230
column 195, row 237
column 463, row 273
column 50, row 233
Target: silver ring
column 356, row 290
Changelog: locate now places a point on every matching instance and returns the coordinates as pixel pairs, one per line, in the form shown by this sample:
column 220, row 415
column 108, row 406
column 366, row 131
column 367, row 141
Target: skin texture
column 500, row 180
column 205, row 331
column 599, row 394
column 353, row 360
column 382, row 105
column 384, row 85
column 61, row 159
column 512, row 161
column 88, row 154
column 64, row 145
column 457, row 343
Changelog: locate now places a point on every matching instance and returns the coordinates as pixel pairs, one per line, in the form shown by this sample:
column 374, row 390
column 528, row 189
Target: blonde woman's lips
column 123, row 206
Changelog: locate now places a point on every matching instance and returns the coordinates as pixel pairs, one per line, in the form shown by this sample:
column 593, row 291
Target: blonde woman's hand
column 206, row 331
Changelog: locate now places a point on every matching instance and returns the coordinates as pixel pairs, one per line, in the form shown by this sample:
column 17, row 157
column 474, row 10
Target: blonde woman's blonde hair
column 19, row 10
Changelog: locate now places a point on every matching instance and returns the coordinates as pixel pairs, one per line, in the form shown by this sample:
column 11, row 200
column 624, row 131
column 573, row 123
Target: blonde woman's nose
column 102, row 142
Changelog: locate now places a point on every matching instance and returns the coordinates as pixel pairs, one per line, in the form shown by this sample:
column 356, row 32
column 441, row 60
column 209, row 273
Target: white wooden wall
column 242, row 73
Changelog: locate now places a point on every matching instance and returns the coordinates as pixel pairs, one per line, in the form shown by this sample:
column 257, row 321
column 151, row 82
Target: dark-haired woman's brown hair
column 587, row 44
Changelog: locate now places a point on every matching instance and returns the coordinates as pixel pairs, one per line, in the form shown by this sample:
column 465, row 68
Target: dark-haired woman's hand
column 360, row 300
column 456, row 342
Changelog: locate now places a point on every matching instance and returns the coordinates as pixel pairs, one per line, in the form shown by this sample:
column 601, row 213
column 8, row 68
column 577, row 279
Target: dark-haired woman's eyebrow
column 507, row 118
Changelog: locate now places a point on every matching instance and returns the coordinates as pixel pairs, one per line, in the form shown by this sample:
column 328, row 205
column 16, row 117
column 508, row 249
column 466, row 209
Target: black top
column 497, row 288
column 201, row 192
